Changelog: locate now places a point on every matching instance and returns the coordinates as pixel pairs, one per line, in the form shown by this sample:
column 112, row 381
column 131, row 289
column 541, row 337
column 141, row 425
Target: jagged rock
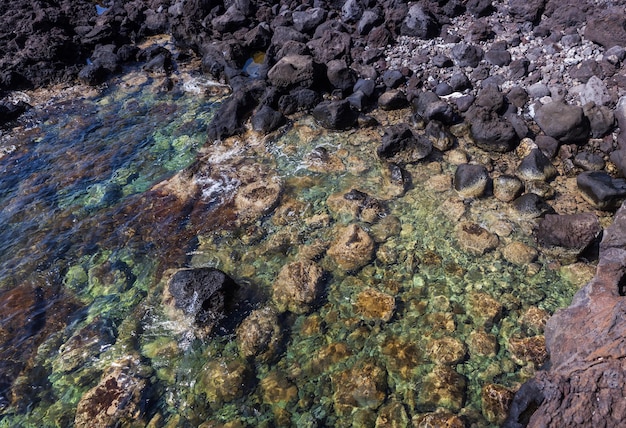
column 419, row 23
column 400, row 145
column 606, row 27
column 601, row 119
column 507, row 187
column 601, row 190
column 332, row 44
column 392, row 100
column 474, row 239
column 492, row 132
column 293, row 71
column 439, row 135
column 298, row 100
column 308, row 20
column 467, row 55
column 566, row 123
column 429, row 106
column 589, row 161
column 202, row 295
column 267, row 120
column 352, row 249
column 340, row 75
column 471, row 181
column 573, row 232
column 231, row 114
column 298, row 286
column 335, row 114
column 230, row 20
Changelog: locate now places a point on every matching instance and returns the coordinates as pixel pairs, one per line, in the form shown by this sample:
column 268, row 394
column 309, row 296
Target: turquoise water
column 104, row 196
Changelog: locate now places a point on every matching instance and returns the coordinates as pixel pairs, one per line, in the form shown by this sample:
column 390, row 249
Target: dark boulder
column 233, row 112
column 231, row 20
column 307, row 20
column 293, row 71
column 429, row 106
column 607, row 27
column 298, row 100
column 601, row 190
column 331, row 45
column 465, row 55
column 531, row 205
column 566, row 123
column 266, row 120
column 420, row 23
column 392, row 100
column 335, row 114
column 203, row 294
column 572, row 232
column 526, row 11
column 340, row 75
column 369, row 20
column 589, row 161
column 536, row 166
column 439, row 135
column 471, row 180
column 479, row 8
column 601, row 119
column 491, row 132
column 400, row 145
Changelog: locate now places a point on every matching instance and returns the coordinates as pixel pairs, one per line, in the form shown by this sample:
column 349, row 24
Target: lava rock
column 298, row 100
column 340, row 75
column 507, row 187
column 531, row 205
column 570, row 231
column 308, row 20
column 607, row 28
column 298, row 286
column 601, row 190
column 293, row 71
column 419, row 23
column 392, row 100
column 563, row 122
column 492, row 132
column 467, row 55
column 589, row 161
column 439, row 135
column 10, row 111
column 536, row 166
column 400, row 145
column 601, row 119
column 267, row 120
column 429, row 106
column 335, row 114
column 471, row 181
column 231, row 114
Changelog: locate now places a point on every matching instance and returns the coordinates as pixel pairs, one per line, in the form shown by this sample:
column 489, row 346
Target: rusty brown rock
column 353, row 249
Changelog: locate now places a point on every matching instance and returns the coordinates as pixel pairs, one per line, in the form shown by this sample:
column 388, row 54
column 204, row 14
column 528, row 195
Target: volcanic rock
column 400, row 145
column 601, row 190
column 531, row 205
column 352, row 249
column 293, row 71
column 570, row 231
column 298, row 286
column 536, row 166
column 335, row 114
column 566, row 123
column 507, row 187
column 259, row 334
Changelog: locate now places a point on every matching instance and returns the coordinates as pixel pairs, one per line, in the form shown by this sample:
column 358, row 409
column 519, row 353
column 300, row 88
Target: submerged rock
column 258, row 198
column 353, row 248
column 400, row 145
column 372, row 304
column 118, row 399
column 496, row 400
column 202, row 296
column 298, row 286
column 474, row 239
column 259, row 334
column 443, row 387
column 362, row 386
column 223, row 380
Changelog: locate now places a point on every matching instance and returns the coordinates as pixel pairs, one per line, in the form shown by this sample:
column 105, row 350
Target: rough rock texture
column 298, row 286
column 353, row 248
column 584, row 385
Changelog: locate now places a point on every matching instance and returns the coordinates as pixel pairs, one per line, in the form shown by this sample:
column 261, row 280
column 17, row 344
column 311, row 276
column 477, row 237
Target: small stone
column 372, row 304
column 483, row 309
column 393, row 100
column 321, row 160
column 507, row 187
column 519, row 253
column 440, row 418
column 534, row 320
column 482, row 344
column 259, row 334
column 392, row 415
column 474, row 239
column 439, row 135
column 443, row 387
column 224, row 380
column 531, row 205
column 528, row 349
column 536, row 166
column 298, row 286
column 589, row 161
column 364, row 385
column 353, row 248
column 276, row 388
column 496, row 401
column 446, row 351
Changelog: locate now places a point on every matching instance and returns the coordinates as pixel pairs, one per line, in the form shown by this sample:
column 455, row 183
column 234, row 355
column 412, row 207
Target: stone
column 574, row 232
column 392, row 100
column 566, row 123
column 483, row 309
column 601, row 190
column 446, row 351
column 482, row 344
column 298, row 286
column 352, row 249
column 267, row 120
column 340, row 75
column 439, row 135
column 321, row 160
column 363, row 385
column 594, row 91
column 601, row 119
column 223, row 380
column 466, row 55
column 118, row 399
column 359, row 205
column 307, row 20
column 519, row 253
column 298, row 100
column 589, row 161
column 256, row 199
column 400, row 145
column 293, row 71
column 474, row 239
column 492, row 132
column 419, row 23
column 507, row 187
column 440, row 418
column 534, row 320
column 277, row 388
column 335, row 114
column 393, row 78
column 259, row 334
column 369, row 20
column 429, row 106
column 373, row 305
column 201, row 295
column 528, row 350
column 230, row 20
column 471, row 181
column 536, row 166
column 331, row 44
column 499, row 57
column 547, row 145
column 392, row 414
column 443, row 387
column 229, row 118
column 496, row 400
column 531, row 205
column 606, row 28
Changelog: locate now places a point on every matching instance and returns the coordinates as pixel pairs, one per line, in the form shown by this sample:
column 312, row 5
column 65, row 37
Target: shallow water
column 89, row 235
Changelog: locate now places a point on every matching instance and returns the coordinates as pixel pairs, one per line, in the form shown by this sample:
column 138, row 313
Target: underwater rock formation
column 352, row 249
column 298, row 286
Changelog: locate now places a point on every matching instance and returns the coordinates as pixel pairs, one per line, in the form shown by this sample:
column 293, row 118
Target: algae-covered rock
column 224, row 380
column 256, row 199
column 358, row 205
column 519, row 253
column 443, row 387
column 353, row 248
column 85, row 344
column 277, row 388
column 482, row 344
column 534, row 320
column 259, row 334
column 440, row 418
column 496, row 400
column 528, row 349
column 298, row 286
column 117, row 400
column 483, row 309
column 402, row 356
column 372, row 304
column 392, row 415
column 447, row 350
column 364, row 385
column 475, row 239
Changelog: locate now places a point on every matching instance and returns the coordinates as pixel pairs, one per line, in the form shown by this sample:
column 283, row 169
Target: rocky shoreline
column 543, row 79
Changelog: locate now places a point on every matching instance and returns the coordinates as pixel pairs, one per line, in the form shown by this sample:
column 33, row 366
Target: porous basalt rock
column 353, row 248
column 298, row 286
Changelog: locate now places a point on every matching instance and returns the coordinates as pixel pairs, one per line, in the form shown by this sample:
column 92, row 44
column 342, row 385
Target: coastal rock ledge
column 585, row 382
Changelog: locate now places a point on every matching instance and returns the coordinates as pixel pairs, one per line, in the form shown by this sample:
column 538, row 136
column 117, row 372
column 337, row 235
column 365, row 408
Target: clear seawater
column 89, row 231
